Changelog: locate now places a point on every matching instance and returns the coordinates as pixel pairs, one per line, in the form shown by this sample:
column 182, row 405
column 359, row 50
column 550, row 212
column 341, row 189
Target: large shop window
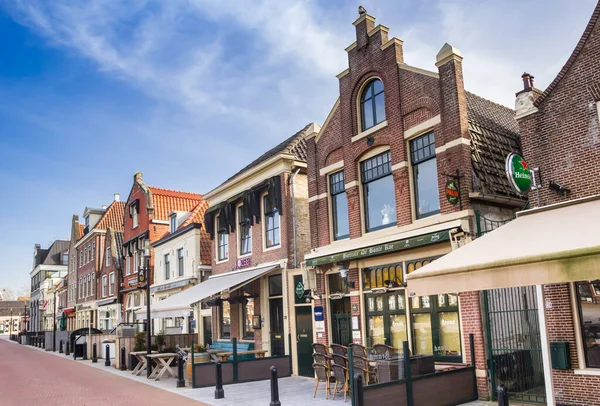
column 245, row 231
column 378, row 192
column 372, row 106
column 248, row 311
column 424, row 164
column 339, row 206
column 223, row 240
column 271, row 223
column 588, row 293
column 225, row 320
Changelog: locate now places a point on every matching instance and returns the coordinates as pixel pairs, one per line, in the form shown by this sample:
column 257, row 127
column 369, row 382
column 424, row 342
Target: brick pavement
column 29, row 377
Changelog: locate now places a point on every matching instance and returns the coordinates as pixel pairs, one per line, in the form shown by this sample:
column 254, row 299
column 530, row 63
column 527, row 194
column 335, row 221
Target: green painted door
column 304, row 339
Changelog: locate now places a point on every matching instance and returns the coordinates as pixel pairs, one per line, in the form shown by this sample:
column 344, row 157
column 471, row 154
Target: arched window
column 372, row 106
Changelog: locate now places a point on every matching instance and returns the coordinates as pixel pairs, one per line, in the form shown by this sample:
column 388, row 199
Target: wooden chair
column 358, row 350
column 340, row 360
column 361, row 366
column 339, row 349
column 321, row 375
column 340, row 374
column 320, row 348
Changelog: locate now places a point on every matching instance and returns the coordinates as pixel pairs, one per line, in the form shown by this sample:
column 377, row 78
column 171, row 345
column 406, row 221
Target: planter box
column 199, row 358
column 393, row 370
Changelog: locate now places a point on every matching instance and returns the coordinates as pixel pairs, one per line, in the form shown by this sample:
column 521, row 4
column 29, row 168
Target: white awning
column 179, row 305
column 552, row 244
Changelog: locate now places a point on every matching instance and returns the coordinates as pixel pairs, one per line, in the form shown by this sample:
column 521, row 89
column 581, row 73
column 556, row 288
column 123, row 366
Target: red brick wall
column 472, row 323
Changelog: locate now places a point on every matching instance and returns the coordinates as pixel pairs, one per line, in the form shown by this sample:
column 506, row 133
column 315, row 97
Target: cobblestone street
column 31, row 377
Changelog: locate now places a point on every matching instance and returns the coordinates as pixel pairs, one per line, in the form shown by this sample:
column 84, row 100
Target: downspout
column 294, row 216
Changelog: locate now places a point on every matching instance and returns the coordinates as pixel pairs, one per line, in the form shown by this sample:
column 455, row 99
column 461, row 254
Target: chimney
column 117, row 197
column 363, row 24
column 104, row 207
column 525, row 98
column 137, row 177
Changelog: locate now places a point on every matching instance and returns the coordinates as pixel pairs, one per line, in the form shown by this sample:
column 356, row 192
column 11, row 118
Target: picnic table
column 214, row 353
column 223, row 356
column 142, row 364
column 163, row 365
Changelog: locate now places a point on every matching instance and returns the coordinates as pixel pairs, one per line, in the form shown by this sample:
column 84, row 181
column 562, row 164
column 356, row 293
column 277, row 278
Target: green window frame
column 384, row 312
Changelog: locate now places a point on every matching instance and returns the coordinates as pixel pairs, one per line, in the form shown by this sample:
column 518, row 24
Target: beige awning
column 552, row 244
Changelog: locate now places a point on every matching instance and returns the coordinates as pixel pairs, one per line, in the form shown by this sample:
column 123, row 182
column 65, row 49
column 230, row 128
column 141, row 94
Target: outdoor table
column 163, row 365
column 141, row 366
column 224, row 355
column 213, row 354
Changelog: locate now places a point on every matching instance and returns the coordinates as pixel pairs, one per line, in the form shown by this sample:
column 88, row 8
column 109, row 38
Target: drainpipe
column 294, row 216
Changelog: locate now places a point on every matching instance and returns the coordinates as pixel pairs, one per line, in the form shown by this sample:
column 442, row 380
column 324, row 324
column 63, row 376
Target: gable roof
column 112, row 217
column 55, row 252
column 294, row 145
column 81, row 229
column 578, row 48
column 197, row 216
column 166, row 201
column 494, row 134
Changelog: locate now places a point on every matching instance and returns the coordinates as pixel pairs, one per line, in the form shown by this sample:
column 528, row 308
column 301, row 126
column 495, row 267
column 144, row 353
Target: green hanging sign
column 452, row 192
column 518, row 173
column 300, row 290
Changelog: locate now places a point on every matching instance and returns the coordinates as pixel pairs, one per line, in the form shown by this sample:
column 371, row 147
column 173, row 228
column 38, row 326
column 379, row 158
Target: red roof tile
column 81, row 228
column 166, row 201
column 197, row 216
column 113, row 217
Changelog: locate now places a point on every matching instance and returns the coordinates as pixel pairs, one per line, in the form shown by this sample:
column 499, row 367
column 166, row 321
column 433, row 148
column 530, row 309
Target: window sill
column 221, row 261
column 587, row 371
column 274, row 247
column 245, row 255
column 370, row 131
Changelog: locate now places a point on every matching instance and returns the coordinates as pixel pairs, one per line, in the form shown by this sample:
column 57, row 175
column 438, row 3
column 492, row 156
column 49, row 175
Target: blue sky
column 189, row 91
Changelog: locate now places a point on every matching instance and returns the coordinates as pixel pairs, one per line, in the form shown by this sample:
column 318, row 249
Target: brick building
column 146, row 217
column 400, row 169
column 110, row 276
column 90, row 250
column 69, row 310
column 548, row 258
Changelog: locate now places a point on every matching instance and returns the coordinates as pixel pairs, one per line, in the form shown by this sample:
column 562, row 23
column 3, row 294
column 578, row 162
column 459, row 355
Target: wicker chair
column 339, row 349
column 320, row 348
column 361, row 366
column 340, row 374
column 383, row 350
column 321, row 375
column 358, row 350
column 321, row 359
column 339, row 360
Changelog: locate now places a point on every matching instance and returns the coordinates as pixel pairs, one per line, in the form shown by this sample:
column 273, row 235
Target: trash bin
column 111, row 349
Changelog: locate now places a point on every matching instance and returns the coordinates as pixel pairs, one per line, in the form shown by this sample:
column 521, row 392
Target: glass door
column 386, row 318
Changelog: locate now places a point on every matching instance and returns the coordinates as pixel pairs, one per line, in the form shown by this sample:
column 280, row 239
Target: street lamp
column 144, row 276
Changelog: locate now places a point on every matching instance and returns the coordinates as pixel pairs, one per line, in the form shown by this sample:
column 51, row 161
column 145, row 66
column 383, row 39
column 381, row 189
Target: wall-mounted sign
column 355, row 335
column 452, row 192
column 354, row 307
column 299, row 289
column 319, row 313
column 518, row 173
column 141, row 275
column 400, row 245
column 243, row 263
column 320, row 326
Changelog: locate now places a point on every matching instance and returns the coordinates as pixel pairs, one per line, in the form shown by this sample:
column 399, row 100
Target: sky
column 190, row 91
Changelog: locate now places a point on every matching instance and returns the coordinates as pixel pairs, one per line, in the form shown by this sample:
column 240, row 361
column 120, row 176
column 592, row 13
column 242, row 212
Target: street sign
column 518, row 173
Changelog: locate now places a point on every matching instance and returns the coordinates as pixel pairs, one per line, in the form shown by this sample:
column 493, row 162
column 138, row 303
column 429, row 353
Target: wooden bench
column 224, row 356
column 218, row 347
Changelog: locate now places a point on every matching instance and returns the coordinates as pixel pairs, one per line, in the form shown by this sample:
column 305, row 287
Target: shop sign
column 300, row 290
column 243, row 263
column 169, row 286
column 382, row 249
column 141, row 275
column 518, row 173
column 452, row 192
column 133, row 281
column 319, row 313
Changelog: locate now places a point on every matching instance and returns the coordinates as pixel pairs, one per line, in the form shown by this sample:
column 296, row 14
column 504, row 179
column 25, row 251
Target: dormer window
column 87, row 222
column 372, row 106
column 65, row 258
column 173, row 223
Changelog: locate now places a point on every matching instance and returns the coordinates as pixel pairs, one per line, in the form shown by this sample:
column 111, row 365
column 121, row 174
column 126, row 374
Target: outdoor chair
column 361, row 366
column 383, row 351
column 340, row 360
column 320, row 348
column 321, row 359
column 339, row 349
column 340, row 374
column 358, row 350
column 321, row 375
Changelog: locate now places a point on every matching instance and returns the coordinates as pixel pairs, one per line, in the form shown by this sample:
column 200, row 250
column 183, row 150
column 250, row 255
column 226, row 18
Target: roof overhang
column 552, row 244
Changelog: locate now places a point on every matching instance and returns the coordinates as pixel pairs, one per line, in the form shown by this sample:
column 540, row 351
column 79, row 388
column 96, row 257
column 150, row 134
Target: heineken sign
column 518, row 173
column 452, row 192
column 400, row 245
column 300, row 290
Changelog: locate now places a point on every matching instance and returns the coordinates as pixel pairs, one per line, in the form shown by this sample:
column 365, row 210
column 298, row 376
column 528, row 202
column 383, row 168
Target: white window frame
column 104, row 285
column 111, row 283
column 238, row 230
column 180, row 262
column 127, row 265
column 107, row 262
column 167, row 266
column 93, row 250
column 173, row 223
column 134, row 216
column 264, row 226
column 217, row 243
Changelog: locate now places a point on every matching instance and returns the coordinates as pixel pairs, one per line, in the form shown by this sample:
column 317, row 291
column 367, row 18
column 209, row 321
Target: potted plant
column 160, row 340
column 200, row 356
column 140, row 345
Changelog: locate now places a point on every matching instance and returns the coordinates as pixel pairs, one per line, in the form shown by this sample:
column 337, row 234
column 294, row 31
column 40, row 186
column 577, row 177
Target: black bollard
column 502, row 395
column 84, row 351
column 60, row 347
column 107, row 356
column 219, row 392
column 180, row 379
column 122, row 363
column 274, row 388
column 94, row 353
column 358, row 395
column 67, row 349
